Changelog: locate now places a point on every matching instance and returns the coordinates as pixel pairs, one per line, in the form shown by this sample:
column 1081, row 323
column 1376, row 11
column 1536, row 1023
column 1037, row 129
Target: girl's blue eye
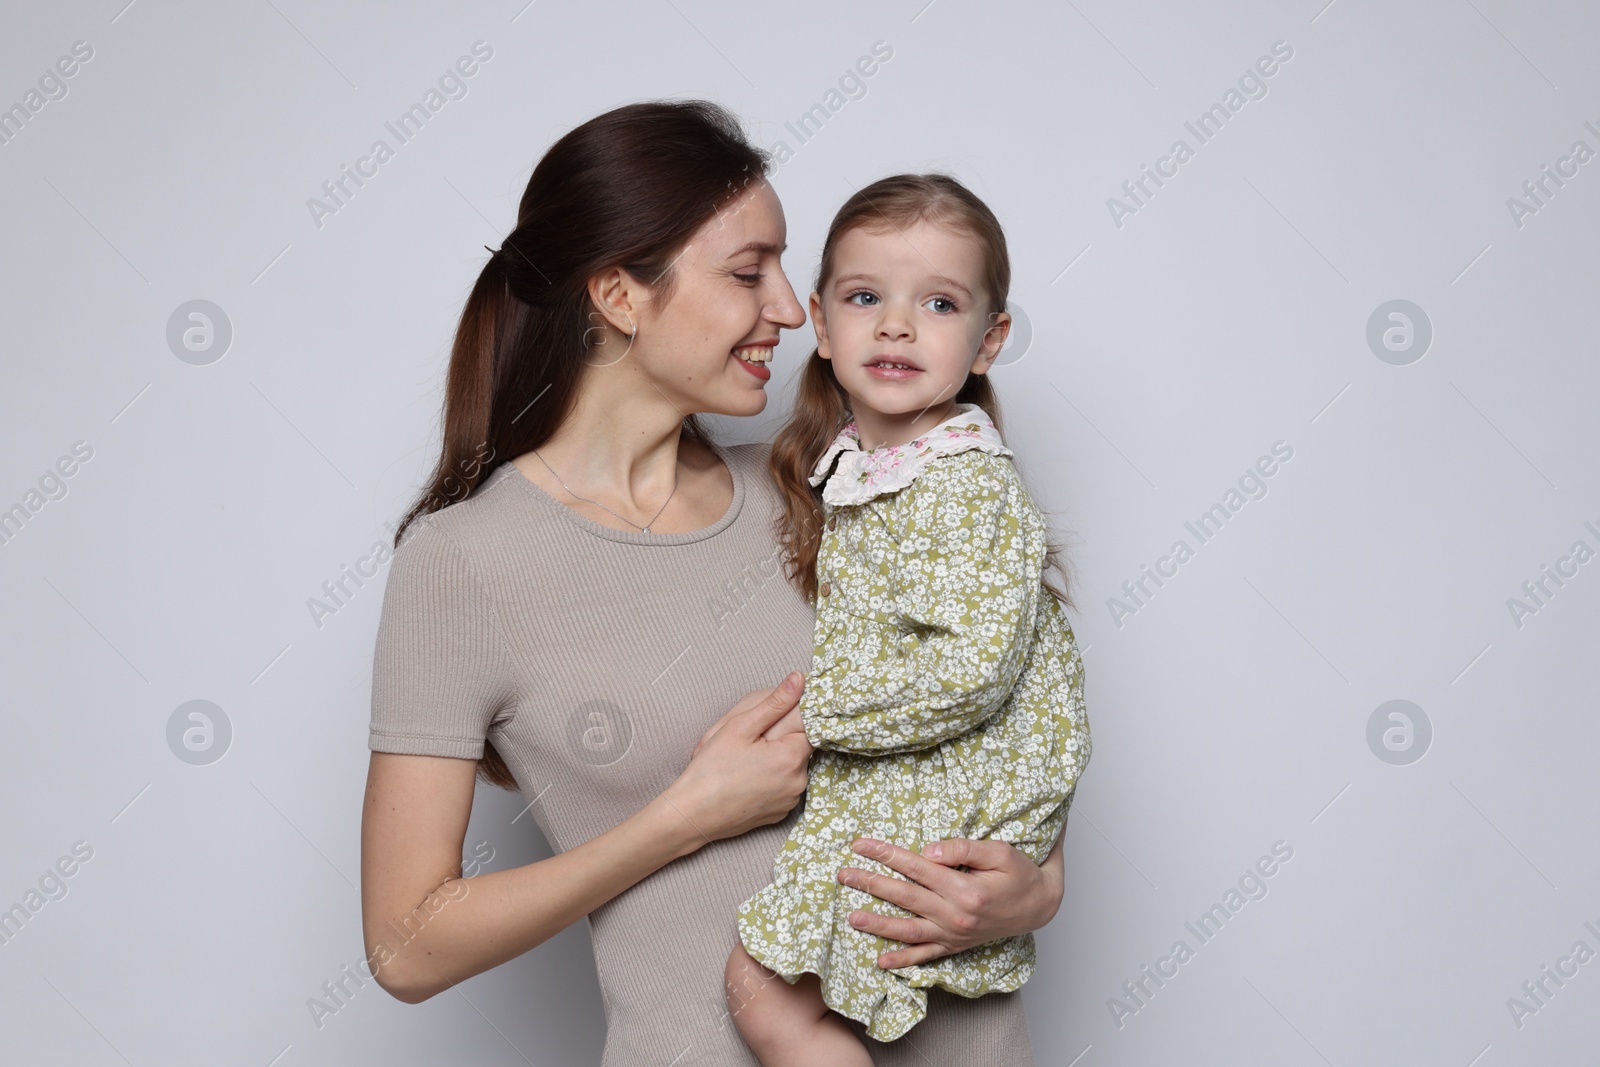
column 949, row 305
column 851, row 299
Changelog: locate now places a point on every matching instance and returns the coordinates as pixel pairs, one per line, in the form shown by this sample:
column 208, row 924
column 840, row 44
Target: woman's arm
column 965, row 580
column 427, row 928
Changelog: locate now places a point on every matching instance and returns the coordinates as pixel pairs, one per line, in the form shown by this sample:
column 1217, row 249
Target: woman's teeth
column 754, row 355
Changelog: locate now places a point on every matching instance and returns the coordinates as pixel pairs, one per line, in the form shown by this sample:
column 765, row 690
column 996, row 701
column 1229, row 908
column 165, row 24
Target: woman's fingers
column 788, row 724
column 713, row 728
column 951, row 909
column 753, row 701
column 986, row 855
column 922, row 953
column 908, row 895
column 911, row 930
column 784, row 695
column 914, row 865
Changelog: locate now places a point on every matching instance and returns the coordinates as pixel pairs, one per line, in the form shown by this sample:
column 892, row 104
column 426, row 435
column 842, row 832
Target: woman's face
column 708, row 347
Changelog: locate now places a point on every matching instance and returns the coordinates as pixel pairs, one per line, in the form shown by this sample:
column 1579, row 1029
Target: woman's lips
column 754, row 358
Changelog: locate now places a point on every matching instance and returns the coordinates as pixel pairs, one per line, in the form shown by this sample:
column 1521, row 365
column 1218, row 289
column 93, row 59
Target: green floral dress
column 945, row 699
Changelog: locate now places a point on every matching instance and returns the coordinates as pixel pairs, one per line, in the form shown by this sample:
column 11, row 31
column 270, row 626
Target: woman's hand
column 787, row 723
column 1002, row 895
column 749, row 768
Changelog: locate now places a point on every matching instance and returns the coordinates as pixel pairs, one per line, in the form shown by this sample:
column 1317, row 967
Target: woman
column 588, row 581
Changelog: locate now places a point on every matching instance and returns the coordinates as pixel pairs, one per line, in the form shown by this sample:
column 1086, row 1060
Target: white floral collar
column 861, row 476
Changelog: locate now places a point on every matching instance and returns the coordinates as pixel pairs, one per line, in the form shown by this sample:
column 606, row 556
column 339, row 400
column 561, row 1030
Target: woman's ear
column 819, row 323
column 994, row 339
column 618, row 296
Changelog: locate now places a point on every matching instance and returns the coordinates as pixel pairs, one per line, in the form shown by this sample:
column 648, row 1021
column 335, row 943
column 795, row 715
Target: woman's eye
column 942, row 304
column 866, row 299
column 748, row 279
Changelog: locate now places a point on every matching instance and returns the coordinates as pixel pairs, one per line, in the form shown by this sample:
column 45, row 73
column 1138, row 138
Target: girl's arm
column 966, row 581
column 427, row 928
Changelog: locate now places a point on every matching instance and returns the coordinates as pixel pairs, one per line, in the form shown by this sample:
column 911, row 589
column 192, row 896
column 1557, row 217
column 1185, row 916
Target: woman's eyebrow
column 758, row 246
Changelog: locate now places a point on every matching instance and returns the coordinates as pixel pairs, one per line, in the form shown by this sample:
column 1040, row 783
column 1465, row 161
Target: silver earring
column 631, row 326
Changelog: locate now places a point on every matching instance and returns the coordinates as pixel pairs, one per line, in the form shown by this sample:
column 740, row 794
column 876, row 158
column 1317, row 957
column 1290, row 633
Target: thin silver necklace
column 596, row 503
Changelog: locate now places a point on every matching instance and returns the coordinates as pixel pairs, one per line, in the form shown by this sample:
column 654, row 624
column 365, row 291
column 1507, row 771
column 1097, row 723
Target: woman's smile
column 754, row 358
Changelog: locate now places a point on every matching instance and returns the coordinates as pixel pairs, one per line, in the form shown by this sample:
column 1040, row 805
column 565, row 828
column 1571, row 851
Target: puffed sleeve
column 966, row 582
column 439, row 668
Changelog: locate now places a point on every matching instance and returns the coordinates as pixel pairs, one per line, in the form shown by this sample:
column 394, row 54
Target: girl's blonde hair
column 822, row 407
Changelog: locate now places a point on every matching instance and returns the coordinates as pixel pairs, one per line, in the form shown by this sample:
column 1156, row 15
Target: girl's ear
column 994, row 339
column 819, row 323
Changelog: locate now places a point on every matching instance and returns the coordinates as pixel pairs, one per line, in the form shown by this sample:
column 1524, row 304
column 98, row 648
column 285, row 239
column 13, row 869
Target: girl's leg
column 788, row 1025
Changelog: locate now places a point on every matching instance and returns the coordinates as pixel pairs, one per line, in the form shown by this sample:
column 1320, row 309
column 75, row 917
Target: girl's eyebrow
column 937, row 279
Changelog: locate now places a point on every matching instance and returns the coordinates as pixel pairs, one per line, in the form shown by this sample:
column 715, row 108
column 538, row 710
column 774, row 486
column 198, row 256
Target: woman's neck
column 617, row 447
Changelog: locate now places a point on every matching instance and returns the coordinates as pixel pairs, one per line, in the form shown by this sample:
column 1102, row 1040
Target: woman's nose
column 785, row 310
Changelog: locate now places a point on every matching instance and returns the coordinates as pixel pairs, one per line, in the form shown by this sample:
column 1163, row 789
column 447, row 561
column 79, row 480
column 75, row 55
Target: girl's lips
column 892, row 374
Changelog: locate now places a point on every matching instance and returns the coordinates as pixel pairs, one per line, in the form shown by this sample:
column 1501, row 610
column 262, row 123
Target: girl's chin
column 892, row 402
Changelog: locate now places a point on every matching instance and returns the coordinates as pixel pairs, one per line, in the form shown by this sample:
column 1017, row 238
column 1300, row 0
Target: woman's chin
column 742, row 395
column 734, row 403
column 748, row 402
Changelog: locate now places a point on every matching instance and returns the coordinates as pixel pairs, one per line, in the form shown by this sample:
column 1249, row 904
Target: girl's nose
column 894, row 325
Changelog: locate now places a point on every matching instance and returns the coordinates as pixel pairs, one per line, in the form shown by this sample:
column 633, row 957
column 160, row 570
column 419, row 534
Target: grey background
column 1230, row 312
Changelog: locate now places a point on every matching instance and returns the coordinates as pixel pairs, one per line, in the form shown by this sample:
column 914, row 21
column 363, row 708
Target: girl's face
column 707, row 349
column 905, row 319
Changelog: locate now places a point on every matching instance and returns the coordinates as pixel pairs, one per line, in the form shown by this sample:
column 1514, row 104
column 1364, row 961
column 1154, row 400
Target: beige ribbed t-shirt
column 594, row 659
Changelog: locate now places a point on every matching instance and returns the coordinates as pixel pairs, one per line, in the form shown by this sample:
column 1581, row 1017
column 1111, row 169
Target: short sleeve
column 439, row 669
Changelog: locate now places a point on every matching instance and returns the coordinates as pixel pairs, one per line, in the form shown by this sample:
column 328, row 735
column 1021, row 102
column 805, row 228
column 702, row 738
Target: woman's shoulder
column 751, row 455
column 468, row 526
column 750, row 460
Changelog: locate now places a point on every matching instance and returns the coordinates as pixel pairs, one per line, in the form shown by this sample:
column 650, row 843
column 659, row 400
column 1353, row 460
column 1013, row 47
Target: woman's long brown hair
column 822, row 407
column 627, row 188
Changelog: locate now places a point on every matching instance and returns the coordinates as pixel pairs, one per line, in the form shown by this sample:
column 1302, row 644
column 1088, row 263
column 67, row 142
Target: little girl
column 945, row 697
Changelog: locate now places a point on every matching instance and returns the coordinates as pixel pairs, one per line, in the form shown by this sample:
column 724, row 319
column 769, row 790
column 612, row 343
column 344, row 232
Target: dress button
column 833, row 522
column 826, row 589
